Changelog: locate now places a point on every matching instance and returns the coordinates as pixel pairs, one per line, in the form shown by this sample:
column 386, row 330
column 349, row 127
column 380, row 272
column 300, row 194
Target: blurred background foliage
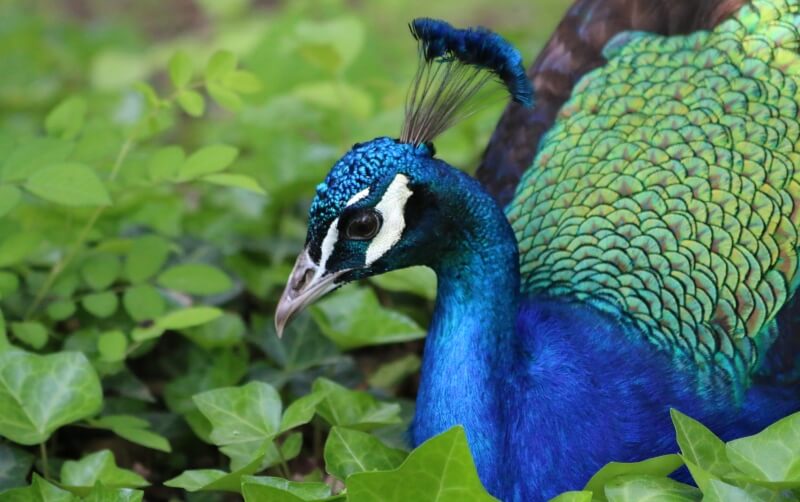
column 203, row 177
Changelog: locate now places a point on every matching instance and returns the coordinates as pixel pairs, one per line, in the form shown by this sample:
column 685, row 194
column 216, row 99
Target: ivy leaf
column 772, row 455
column 700, row 446
column 69, row 184
column 638, row 487
column 180, row 69
column 39, row 394
column 259, row 488
column 420, row 281
column 15, row 464
column 243, row 414
column 302, row 410
column 39, row 491
column 134, row 429
column 99, row 467
column 656, row 466
column 442, row 469
column 349, row 451
column 101, row 305
column 196, row 279
column 9, row 198
column 356, row 409
column 581, row 496
column 215, row 479
column 354, row 318
column 102, row 493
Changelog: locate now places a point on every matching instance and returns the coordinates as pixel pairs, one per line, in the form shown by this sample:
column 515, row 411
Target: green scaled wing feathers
column 669, row 188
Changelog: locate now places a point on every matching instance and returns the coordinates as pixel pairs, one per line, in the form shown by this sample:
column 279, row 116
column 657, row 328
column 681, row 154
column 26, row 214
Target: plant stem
column 45, row 465
column 62, row 264
column 284, row 464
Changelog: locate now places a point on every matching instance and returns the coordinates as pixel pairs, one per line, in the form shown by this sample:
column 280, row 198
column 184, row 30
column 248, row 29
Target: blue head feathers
column 454, row 65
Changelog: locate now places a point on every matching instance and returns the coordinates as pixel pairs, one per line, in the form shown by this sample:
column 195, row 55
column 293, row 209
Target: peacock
column 630, row 244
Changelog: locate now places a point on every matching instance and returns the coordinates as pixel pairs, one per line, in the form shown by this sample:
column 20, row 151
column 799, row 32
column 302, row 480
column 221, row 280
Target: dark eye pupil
column 363, row 226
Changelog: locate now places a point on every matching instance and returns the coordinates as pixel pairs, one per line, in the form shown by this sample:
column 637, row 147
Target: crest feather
column 454, row 65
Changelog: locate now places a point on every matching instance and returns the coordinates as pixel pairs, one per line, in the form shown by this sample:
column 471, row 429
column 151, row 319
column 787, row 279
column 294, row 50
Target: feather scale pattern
column 668, row 190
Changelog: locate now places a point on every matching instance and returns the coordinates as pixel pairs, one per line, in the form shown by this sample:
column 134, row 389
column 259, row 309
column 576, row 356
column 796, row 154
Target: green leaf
column 220, row 65
column 101, row 305
column 112, row 346
column 15, row 464
column 32, row 333
column 356, row 409
column 196, row 279
column 215, row 479
column 207, row 160
column 17, row 247
column 573, row 497
column 261, row 488
column 226, row 330
column 39, row 491
column 394, row 372
column 165, row 163
column 441, row 469
column 32, row 155
column 242, row 81
column 235, row 180
column 4, row 344
column 353, row 318
column 719, row 491
column 420, row 281
column 133, row 429
column 66, row 119
column 187, row 318
column 192, row 102
column 656, row 466
column 143, row 302
column 772, row 455
column 700, row 446
column 243, row 414
column 69, row 184
column 336, row 96
column 9, row 198
column 9, row 283
column 302, row 410
column 39, row 394
column 641, row 487
column 349, row 451
column 102, row 493
column 146, row 257
column 341, row 38
column 224, row 97
column 100, row 467
column 100, row 270
column 180, row 69
column 60, row 310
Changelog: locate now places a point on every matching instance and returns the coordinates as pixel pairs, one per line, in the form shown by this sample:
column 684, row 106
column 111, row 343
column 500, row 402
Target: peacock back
column 668, row 189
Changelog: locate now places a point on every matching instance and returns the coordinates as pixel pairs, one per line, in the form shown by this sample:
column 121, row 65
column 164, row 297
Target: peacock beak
column 307, row 282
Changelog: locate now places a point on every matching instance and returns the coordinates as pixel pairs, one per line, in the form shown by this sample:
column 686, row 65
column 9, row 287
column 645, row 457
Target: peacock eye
column 364, row 225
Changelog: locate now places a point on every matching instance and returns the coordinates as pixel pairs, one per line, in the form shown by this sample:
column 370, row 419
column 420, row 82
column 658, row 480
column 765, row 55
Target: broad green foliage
column 157, row 161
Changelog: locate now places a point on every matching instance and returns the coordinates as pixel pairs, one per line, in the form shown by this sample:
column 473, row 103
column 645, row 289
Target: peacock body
column 647, row 260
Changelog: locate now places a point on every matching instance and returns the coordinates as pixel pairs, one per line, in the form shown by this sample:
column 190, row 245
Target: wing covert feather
column 668, row 188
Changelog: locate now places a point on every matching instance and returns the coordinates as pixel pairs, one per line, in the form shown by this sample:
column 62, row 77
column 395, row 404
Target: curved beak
column 306, row 283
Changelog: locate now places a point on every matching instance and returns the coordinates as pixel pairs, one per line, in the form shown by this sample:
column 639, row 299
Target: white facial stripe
column 357, row 197
column 327, row 246
column 391, row 207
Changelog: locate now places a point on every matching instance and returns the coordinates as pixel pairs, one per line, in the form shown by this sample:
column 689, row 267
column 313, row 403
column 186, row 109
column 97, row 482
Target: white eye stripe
column 391, row 207
column 327, row 246
column 357, row 197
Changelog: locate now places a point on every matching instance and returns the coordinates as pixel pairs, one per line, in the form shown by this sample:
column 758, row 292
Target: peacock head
column 381, row 206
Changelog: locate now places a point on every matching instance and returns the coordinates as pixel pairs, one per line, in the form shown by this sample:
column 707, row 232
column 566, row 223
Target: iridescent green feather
column 669, row 188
